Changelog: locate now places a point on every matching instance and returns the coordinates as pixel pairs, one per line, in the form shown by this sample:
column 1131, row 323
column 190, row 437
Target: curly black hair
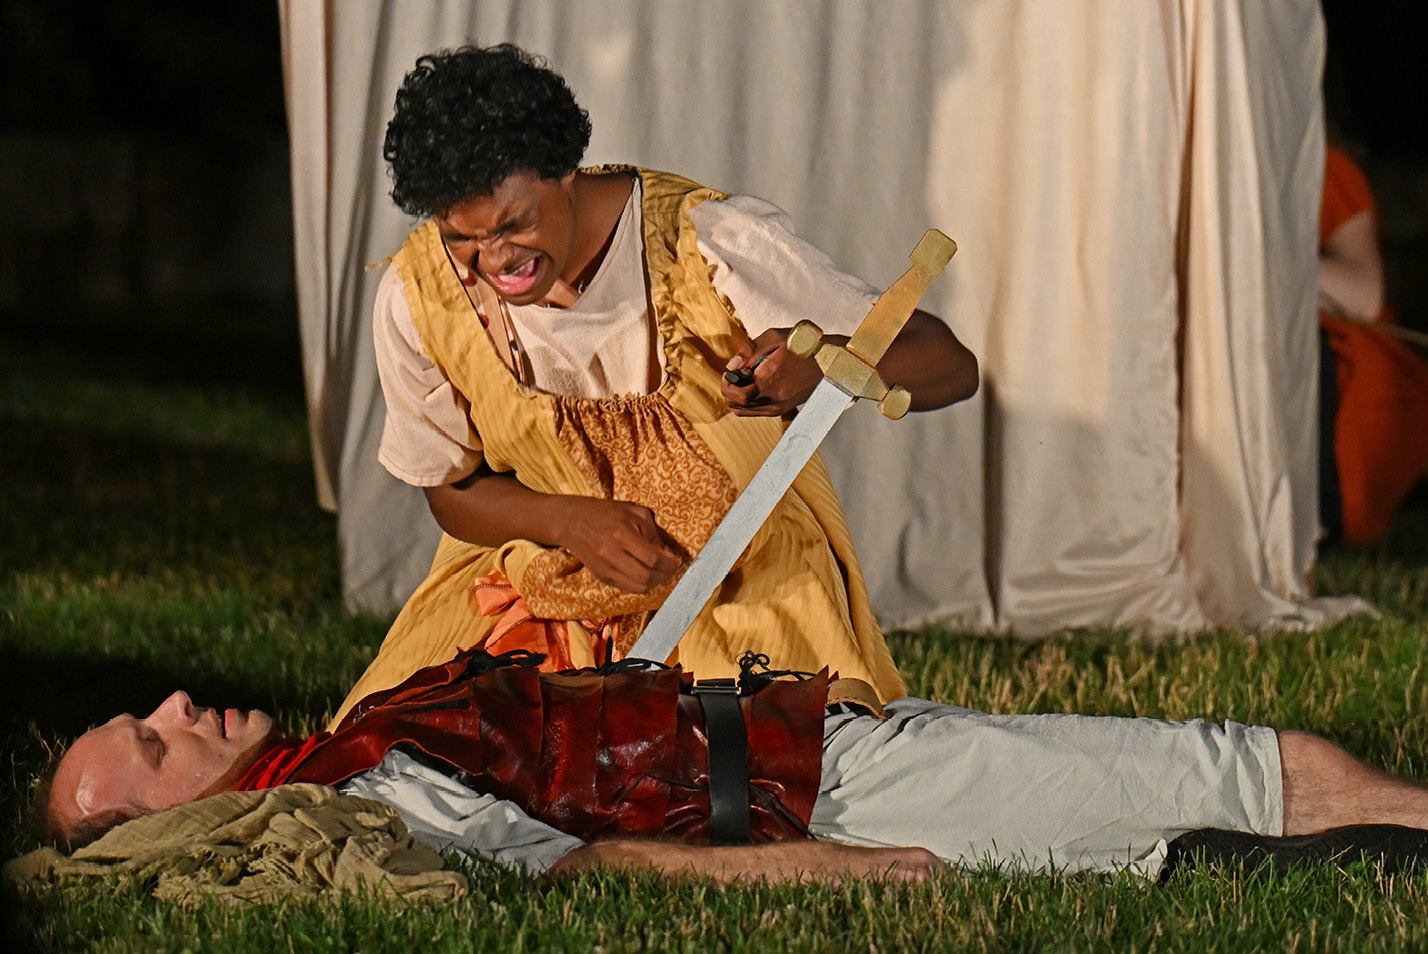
column 468, row 118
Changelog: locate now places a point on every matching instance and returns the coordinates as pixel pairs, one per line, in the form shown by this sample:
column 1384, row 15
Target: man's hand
column 781, row 380
column 800, row 861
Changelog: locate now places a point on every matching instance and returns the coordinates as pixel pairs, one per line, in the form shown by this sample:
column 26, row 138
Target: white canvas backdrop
column 1134, row 186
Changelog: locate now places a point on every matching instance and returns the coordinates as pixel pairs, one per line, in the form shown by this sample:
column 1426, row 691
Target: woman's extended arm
column 926, row 358
column 618, row 541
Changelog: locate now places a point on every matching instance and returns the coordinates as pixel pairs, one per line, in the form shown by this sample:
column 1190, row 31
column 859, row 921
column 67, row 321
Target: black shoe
column 1394, row 847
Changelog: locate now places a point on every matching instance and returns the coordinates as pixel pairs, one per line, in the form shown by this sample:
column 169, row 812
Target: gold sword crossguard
column 853, row 367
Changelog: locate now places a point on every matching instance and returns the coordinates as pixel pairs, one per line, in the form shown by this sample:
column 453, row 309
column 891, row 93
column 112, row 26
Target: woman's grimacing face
column 177, row 754
column 520, row 237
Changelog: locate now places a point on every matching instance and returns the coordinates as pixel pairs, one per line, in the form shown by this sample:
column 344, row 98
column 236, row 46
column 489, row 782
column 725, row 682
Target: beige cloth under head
column 292, row 841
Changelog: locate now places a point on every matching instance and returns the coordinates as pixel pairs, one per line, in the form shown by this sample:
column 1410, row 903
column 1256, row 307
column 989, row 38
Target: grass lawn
column 159, row 531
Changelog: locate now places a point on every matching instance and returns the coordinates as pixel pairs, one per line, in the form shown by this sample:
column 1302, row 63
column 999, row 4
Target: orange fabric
column 1381, row 427
column 519, row 628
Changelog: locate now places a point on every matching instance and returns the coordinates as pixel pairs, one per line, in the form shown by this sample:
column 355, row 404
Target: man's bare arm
column 926, row 358
column 801, row 861
column 618, row 541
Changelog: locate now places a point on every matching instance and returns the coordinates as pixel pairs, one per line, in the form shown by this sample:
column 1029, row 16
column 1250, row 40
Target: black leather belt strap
column 728, row 761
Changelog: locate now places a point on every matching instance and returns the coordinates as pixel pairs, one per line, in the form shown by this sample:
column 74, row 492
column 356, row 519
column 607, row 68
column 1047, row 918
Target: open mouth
column 517, row 281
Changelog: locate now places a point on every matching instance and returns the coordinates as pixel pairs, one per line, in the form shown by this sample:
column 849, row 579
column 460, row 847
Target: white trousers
column 1042, row 792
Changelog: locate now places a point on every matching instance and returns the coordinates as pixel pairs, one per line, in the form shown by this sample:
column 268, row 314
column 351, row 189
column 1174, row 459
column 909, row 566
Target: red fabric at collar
column 275, row 765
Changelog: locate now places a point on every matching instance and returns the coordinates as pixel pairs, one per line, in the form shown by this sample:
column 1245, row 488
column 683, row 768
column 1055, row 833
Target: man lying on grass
column 613, row 768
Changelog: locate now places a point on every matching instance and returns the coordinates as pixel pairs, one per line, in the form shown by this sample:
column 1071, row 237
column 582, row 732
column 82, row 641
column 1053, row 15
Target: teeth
column 513, row 280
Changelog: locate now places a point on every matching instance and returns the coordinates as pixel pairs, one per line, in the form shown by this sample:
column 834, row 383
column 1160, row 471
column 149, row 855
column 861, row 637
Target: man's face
column 519, row 237
column 178, row 754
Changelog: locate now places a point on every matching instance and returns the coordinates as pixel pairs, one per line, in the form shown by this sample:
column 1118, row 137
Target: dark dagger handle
column 743, row 377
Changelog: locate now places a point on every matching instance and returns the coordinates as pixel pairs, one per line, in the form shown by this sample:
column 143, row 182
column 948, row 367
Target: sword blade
column 813, row 422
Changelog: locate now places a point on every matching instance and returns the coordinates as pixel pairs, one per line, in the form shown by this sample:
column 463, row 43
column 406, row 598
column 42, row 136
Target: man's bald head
column 130, row 767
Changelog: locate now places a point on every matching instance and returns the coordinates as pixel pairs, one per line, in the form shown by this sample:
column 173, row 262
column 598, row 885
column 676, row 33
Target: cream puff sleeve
column 428, row 439
column 769, row 275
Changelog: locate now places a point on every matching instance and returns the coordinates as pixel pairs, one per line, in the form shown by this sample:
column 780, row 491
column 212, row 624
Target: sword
column 849, row 373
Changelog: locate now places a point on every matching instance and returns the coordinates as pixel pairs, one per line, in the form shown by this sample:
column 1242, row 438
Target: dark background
column 145, row 209
column 144, row 181
column 1376, row 93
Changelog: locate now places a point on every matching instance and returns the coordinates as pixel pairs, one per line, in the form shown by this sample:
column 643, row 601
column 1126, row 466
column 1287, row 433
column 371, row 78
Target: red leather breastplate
column 594, row 754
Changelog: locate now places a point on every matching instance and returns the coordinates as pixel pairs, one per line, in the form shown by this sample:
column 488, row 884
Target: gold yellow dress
column 797, row 595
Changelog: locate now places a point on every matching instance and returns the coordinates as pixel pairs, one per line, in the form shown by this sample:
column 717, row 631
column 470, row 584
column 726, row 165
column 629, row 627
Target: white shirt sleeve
column 770, row 276
column 444, row 814
column 427, row 439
